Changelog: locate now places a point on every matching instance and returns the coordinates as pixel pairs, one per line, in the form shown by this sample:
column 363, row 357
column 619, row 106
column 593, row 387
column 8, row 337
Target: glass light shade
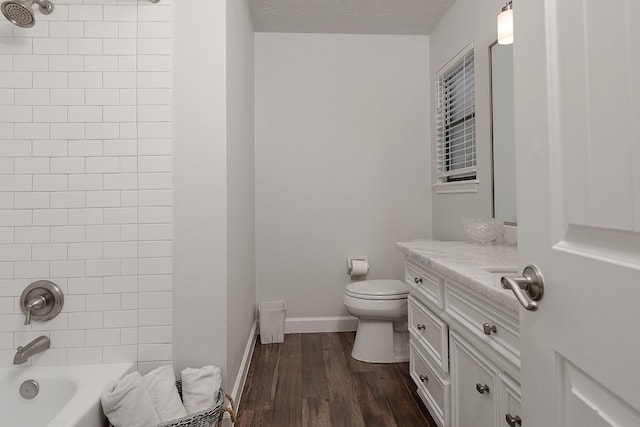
column 505, row 27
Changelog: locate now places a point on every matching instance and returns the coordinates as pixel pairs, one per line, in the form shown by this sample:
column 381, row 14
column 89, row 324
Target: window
column 456, row 119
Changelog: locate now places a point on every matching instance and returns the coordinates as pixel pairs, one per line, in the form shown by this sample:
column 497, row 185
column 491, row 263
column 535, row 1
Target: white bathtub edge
column 84, row 409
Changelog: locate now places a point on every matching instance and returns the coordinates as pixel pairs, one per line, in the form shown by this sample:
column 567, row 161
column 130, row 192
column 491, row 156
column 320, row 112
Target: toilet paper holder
column 356, row 258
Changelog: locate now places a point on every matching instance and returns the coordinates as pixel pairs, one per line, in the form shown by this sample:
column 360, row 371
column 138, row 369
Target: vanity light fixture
column 505, row 24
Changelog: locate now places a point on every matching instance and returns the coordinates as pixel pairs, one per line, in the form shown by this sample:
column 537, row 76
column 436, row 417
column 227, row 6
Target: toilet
column 381, row 307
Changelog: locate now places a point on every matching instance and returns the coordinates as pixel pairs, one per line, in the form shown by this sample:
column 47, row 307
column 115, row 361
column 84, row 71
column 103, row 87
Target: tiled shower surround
column 85, row 180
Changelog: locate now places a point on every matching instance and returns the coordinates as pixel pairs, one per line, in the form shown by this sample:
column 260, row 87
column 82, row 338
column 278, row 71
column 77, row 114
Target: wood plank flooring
column 311, row 380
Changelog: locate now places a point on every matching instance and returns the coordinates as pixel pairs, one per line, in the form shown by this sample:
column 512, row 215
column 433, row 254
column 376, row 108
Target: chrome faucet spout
column 36, row 346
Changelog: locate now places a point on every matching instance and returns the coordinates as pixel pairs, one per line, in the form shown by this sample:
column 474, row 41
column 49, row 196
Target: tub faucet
column 36, row 346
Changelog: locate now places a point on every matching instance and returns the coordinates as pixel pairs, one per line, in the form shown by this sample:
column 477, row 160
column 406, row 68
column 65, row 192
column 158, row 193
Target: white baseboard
column 236, row 393
column 297, row 325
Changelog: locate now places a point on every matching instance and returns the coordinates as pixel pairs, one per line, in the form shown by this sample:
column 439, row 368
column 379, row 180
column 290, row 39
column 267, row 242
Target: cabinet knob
column 421, row 327
column 482, row 388
column 424, row 378
column 417, row 279
column 513, row 421
column 489, row 329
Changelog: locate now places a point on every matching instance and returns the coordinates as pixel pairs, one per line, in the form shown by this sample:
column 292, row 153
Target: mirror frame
column 493, row 177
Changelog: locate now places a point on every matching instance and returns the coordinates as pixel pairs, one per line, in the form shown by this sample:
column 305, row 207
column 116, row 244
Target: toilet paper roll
column 359, row 267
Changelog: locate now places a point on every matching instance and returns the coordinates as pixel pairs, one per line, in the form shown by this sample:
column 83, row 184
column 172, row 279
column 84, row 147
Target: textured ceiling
column 348, row 16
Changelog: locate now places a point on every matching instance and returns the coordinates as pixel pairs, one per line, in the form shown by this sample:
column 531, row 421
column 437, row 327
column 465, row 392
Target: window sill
column 470, row 186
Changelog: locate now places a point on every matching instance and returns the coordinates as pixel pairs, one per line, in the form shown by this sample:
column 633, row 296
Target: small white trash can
column 272, row 315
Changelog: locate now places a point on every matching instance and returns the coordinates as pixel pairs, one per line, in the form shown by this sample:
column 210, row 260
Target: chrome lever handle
column 35, row 304
column 528, row 288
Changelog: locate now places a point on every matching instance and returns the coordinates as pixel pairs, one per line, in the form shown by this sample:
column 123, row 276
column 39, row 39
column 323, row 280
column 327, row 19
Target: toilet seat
column 378, row 290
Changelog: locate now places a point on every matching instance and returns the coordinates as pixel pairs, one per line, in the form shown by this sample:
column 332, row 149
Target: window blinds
column 456, row 121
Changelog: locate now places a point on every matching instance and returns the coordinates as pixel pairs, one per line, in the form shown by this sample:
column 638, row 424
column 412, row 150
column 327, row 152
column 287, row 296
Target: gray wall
column 241, row 276
column 342, row 161
column 214, row 294
column 466, row 21
column 200, row 185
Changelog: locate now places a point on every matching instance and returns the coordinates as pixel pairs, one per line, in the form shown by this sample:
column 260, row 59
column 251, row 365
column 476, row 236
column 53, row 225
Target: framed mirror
column 503, row 133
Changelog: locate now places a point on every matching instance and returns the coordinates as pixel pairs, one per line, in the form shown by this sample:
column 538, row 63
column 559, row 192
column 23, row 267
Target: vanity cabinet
column 464, row 351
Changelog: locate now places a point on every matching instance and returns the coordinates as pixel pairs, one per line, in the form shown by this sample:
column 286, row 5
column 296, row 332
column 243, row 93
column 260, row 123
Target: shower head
column 20, row 12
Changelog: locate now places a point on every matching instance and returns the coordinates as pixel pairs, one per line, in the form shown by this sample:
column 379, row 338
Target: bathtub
column 69, row 396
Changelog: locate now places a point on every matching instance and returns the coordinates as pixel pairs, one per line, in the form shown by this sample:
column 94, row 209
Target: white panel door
column 577, row 86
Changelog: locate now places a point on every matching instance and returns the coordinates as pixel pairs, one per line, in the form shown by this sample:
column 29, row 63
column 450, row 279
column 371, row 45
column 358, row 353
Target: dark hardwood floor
column 312, row 380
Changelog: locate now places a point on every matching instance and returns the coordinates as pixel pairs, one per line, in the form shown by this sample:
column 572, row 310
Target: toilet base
column 378, row 341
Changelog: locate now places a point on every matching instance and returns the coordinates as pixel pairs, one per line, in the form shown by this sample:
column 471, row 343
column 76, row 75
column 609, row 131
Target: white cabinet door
column 577, row 98
column 509, row 402
column 473, row 385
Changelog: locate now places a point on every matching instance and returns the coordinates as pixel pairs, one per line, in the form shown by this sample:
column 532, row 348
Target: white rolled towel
column 161, row 385
column 200, row 387
column 126, row 402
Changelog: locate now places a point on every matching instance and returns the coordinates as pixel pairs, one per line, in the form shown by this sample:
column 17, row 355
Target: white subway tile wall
column 85, row 180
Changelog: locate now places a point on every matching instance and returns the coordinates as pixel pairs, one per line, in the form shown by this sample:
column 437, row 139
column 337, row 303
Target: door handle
column 527, row 288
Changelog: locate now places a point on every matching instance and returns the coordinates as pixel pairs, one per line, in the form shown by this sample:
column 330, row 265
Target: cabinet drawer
column 501, row 332
column 432, row 387
column 429, row 332
column 427, row 284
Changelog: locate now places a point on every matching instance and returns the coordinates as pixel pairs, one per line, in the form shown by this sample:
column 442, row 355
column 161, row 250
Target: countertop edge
column 466, row 264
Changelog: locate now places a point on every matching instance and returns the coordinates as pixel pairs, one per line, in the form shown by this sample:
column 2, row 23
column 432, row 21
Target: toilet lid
column 378, row 289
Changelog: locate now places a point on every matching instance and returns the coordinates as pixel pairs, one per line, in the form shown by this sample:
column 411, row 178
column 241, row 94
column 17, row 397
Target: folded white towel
column 200, row 387
column 161, row 385
column 126, row 403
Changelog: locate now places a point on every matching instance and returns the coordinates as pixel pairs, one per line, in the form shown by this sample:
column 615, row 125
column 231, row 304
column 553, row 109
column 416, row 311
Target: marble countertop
column 469, row 264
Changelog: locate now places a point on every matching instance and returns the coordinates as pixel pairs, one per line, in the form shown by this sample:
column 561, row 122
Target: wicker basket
column 210, row 417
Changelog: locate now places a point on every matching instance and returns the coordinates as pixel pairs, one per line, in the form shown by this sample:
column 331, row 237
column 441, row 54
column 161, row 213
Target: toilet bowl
column 381, row 309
